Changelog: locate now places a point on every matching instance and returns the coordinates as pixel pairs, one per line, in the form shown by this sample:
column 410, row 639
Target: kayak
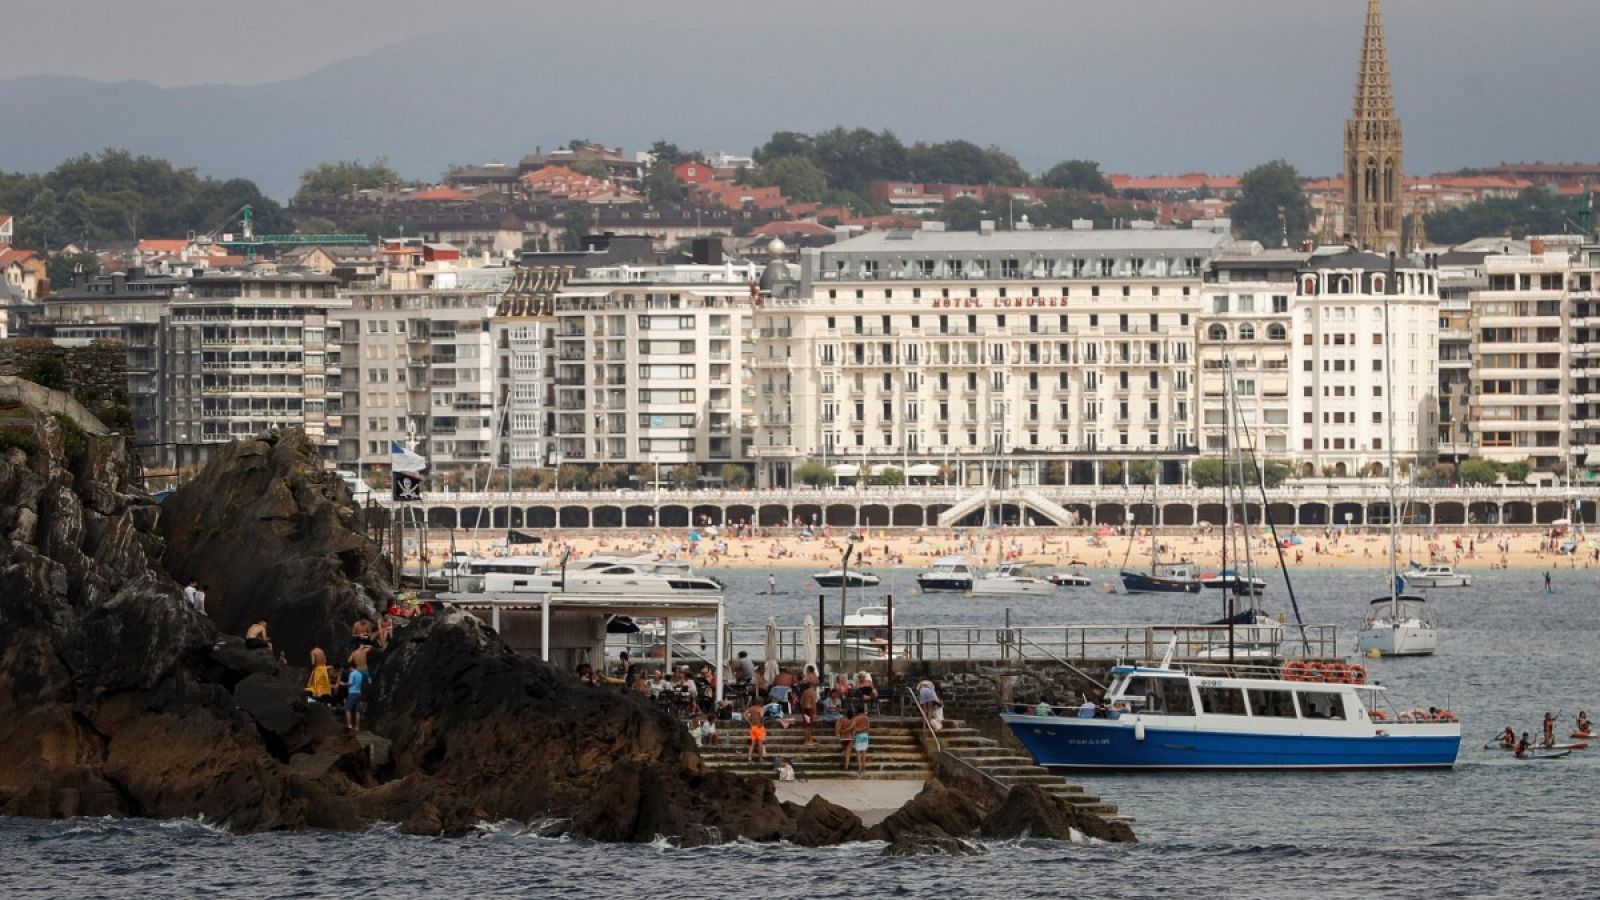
column 1586, row 735
column 1541, row 754
column 1496, row 745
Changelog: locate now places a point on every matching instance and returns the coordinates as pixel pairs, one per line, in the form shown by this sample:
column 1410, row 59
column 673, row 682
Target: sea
column 1492, row 827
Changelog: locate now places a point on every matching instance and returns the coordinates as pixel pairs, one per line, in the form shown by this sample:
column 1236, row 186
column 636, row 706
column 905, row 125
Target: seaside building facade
column 1243, row 333
column 245, row 353
column 651, row 366
column 1036, row 355
column 1366, row 333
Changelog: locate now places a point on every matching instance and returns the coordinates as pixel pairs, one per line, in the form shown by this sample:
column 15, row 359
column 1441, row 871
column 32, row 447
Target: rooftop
column 1055, row 241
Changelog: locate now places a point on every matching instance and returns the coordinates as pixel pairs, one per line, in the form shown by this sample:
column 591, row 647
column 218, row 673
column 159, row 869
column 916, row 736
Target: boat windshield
column 1161, row 696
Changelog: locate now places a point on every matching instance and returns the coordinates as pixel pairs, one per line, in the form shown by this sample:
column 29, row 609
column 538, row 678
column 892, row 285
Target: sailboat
column 1177, row 577
column 1243, row 583
column 1400, row 624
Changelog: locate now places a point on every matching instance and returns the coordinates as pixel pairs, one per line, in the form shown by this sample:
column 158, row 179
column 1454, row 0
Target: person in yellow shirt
column 320, row 686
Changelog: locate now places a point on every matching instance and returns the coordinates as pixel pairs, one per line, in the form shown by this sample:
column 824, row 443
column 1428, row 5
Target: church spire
column 1373, row 176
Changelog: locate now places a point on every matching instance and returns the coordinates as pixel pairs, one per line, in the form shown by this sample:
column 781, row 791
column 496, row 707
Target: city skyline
column 1274, row 83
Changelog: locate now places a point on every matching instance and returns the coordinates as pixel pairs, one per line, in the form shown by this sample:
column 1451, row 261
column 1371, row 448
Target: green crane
column 249, row 242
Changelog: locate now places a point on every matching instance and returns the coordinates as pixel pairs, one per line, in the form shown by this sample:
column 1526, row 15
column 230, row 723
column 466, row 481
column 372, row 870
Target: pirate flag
column 408, row 472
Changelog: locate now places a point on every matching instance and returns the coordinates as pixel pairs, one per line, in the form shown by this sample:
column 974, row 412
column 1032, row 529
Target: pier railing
column 1069, row 643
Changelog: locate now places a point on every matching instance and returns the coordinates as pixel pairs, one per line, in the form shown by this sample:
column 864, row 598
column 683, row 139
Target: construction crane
column 249, row 242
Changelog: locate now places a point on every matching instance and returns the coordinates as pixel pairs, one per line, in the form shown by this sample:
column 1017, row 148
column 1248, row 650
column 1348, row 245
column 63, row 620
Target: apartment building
column 1365, row 370
column 1521, row 346
column 927, row 349
column 1583, row 284
column 418, row 366
column 246, row 352
column 651, row 365
column 1244, row 333
column 129, row 307
column 1461, row 275
column 523, row 331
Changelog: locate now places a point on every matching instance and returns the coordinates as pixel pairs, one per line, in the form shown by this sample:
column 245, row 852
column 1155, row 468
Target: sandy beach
column 1317, row 548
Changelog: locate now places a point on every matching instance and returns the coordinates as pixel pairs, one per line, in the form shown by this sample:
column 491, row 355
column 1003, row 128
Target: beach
column 1099, row 548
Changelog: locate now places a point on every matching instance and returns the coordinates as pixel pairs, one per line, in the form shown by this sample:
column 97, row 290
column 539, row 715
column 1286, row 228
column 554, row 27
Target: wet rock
column 821, row 822
column 1030, row 812
column 935, row 810
column 920, row 842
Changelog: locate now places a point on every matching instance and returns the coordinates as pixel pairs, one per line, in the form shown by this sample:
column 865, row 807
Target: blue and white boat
column 1167, row 718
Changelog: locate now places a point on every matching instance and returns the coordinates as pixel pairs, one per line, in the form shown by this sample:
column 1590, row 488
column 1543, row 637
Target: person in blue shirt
column 356, row 684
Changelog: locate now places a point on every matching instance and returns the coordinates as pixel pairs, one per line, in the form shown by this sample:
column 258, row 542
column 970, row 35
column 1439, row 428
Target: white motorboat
column 636, row 580
column 1255, row 635
column 1240, row 584
column 1399, row 625
column 865, row 636
column 1070, row 579
column 840, row 578
column 1015, row 578
column 949, row 573
column 1436, row 576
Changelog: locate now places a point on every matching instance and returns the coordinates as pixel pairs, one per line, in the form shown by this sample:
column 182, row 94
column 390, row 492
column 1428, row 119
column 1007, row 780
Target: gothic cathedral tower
column 1373, row 183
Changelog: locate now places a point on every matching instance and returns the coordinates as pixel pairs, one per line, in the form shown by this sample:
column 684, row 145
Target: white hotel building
column 932, row 349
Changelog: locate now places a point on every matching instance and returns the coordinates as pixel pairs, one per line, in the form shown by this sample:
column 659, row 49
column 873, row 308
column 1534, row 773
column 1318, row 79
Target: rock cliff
column 117, row 698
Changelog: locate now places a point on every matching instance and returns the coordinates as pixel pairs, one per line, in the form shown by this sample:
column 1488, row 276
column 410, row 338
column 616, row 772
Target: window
column 1316, row 705
column 1272, row 704
column 1247, row 332
column 1222, row 701
column 1218, row 333
column 1164, row 696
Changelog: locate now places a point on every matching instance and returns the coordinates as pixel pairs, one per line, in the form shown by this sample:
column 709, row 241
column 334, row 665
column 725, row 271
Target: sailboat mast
column 1388, row 418
column 1227, row 504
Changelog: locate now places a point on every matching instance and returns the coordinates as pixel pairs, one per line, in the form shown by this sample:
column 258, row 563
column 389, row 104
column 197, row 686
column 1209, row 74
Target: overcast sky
column 1146, row 85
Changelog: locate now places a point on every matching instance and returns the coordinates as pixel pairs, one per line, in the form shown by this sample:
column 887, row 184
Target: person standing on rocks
column 320, row 686
column 352, row 697
column 189, row 592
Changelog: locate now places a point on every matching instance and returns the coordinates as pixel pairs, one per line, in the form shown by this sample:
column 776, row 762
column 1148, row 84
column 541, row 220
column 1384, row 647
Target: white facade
column 1244, row 329
column 954, row 350
column 1364, row 354
column 651, row 366
column 419, row 368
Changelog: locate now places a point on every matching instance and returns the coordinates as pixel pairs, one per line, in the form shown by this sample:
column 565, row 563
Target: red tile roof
column 439, row 194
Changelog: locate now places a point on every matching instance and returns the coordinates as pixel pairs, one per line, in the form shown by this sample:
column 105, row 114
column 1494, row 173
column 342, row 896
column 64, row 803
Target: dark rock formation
column 274, row 535
column 1030, row 812
column 117, row 698
column 921, row 843
column 820, row 823
column 935, row 811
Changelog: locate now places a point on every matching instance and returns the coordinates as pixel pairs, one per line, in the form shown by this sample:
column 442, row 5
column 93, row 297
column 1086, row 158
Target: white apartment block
column 245, row 353
column 1584, row 320
column 1244, row 330
column 1366, row 335
column 651, row 365
column 932, row 348
column 419, row 368
column 523, row 329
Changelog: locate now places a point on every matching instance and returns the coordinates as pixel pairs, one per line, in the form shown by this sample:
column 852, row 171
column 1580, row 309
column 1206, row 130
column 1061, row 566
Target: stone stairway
column 895, row 754
column 1010, row 768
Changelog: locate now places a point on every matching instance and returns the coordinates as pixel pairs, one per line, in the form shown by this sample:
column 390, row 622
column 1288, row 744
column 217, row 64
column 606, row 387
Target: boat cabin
column 1173, row 692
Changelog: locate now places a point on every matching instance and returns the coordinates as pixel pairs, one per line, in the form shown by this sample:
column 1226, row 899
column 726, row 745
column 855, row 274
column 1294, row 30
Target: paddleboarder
column 1549, row 729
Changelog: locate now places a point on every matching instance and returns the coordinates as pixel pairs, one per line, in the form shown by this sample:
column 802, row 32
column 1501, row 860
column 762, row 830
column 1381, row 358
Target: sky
column 1142, row 85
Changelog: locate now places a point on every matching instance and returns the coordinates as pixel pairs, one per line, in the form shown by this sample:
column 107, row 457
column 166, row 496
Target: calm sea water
column 1492, row 827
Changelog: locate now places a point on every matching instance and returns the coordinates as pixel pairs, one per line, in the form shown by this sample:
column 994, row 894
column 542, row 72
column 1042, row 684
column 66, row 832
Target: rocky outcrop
column 117, row 698
column 1030, row 812
column 274, row 534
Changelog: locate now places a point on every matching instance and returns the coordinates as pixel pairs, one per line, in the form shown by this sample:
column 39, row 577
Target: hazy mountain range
column 1164, row 94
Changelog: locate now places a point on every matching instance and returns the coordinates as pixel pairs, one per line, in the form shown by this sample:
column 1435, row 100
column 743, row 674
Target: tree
column 686, row 476
column 1077, row 175
column 1276, row 472
column 335, row 179
column 1272, row 207
column 798, row 178
column 47, row 370
column 579, row 221
column 963, row 162
column 593, row 168
column 1056, row 473
column 962, row 214
column 1443, row 474
column 813, row 474
column 63, row 268
column 1207, row 472
column 1142, row 471
column 890, row 475
column 1475, row 472
column 1517, row 472
column 1535, row 211
column 734, row 475
column 604, row 477
column 572, row 477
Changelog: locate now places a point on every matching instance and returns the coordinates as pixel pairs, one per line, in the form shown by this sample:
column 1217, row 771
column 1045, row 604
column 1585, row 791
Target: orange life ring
column 1445, row 715
column 1296, row 670
column 1335, row 673
column 1357, row 672
column 1377, row 715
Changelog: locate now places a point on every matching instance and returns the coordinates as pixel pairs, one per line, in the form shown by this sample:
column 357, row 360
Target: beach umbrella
column 808, row 638
column 771, row 649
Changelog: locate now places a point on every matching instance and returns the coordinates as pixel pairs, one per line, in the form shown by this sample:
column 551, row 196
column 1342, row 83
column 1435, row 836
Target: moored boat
column 949, row 573
column 1015, row 578
column 1436, row 576
column 1070, row 579
column 1163, row 578
column 1399, row 626
column 1302, row 716
column 840, row 578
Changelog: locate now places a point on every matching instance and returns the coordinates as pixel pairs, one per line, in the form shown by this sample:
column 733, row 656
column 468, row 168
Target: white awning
column 922, row 470
column 846, row 470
